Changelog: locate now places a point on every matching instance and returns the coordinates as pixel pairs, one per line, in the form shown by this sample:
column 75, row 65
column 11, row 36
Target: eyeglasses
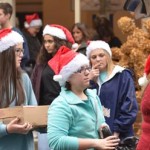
column 19, row 51
column 83, row 69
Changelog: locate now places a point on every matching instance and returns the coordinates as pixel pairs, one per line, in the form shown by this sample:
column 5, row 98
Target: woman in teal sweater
column 15, row 90
column 75, row 116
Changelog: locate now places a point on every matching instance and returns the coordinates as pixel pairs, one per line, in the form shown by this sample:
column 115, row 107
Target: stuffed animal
column 136, row 48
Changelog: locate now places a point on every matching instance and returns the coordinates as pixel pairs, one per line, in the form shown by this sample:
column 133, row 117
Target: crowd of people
column 74, row 74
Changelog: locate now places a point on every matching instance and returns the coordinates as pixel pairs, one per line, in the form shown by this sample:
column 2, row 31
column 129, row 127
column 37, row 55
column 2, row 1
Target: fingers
column 110, row 148
column 112, row 142
column 111, row 145
column 116, row 134
column 96, row 66
column 112, row 138
column 10, row 126
column 15, row 121
column 94, row 72
column 93, row 75
column 108, row 143
column 26, row 128
column 95, row 69
column 14, row 127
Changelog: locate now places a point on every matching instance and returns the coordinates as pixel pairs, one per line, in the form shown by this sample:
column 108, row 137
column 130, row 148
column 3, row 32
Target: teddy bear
column 136, row 48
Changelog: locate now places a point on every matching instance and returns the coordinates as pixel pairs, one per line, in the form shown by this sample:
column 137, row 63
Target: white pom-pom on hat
column 143, row 80
column 57, row 78
column 75, row 46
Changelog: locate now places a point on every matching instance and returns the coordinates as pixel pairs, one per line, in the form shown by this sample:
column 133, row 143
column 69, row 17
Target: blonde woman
column 115, row 88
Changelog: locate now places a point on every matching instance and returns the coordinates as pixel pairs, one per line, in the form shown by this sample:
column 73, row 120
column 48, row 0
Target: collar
column 117, row 69
column 73, row 99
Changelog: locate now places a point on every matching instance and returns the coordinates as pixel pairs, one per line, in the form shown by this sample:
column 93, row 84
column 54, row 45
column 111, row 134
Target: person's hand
column 15, row 127
column 94, row 73
column 116, row 134
column 108, row 143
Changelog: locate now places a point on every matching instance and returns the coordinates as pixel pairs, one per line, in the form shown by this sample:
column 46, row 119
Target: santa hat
column 65, row 63
column 32, row 21
column 143, row 80
column 58, row 31
column 96, row 45
column 9, row 38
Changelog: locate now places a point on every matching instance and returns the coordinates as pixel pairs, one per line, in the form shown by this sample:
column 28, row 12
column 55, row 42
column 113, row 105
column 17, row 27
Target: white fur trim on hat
column 74, row 65
column 11, row 39
column 33, row 23
column 143, row 80
column 96, row 45
column 54, row 31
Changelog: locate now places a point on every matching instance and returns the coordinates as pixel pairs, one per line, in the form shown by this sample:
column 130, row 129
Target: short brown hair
column 7, row 8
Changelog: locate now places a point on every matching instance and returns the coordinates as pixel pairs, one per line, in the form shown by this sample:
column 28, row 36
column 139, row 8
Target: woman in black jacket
column 45, row 88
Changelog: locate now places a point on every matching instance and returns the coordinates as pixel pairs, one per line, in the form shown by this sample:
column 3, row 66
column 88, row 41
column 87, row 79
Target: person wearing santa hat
column 32, row 26
column 75, row 116
column 15, row 90
column 143, row 81
column 143, row 143
column 45, row 88
column 6, row 11
column 115, row 88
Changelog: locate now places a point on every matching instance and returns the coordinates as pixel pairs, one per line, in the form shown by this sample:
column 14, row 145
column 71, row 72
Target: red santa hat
column 143, row 80
column 9, row 38
column 96, row 45
column 32, row 21
column 65, row 63
column 58, row 31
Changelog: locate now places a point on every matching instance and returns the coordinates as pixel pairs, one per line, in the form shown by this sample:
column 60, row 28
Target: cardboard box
column 35, row 115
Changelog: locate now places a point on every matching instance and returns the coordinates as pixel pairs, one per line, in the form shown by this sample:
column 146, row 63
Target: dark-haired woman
column 45, row 88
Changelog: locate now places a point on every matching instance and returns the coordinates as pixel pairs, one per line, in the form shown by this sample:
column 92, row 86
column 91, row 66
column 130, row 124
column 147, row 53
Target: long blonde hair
column 110, row 64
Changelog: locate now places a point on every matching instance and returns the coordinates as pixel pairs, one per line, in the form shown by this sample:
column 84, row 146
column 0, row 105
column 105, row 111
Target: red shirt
column 144, row 143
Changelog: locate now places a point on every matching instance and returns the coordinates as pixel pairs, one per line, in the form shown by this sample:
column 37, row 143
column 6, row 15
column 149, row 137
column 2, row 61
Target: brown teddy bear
column 136, row 48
